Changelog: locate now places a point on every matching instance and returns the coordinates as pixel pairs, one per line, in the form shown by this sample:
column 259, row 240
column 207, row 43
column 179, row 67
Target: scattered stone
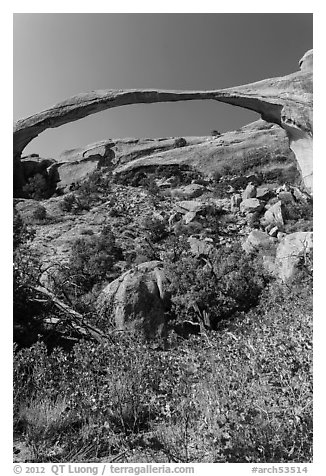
column 249, row 192
column 189, row 217
column 251, row 205
column 273, row 231
column 299, row 195
column 254, row 178
column 286, row 197
column 263, row 193
column 235, row 202
column 274, row 215
column 189, row 206
column 189, row 191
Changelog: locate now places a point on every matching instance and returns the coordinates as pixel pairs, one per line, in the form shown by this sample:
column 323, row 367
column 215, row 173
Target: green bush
column 39, row 214
column 155, row 229
column 37, row 188
column 243, row 394
column 215, row 133
column 92, row 261
column 180, row 142
column 216, row 286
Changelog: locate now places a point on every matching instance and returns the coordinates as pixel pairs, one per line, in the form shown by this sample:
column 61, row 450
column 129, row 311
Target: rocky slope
column 246, row 188
column 286, row 101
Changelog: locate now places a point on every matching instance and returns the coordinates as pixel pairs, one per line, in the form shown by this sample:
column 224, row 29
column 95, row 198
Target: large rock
column 235, row 202
column 291, row 250
column 263, row 193
column 249, row 192
column 274, row 215
column 258, row 241
column 186, row 206
column 136, row 300
column 251, row 205
column 188, row 192
column 286, row 101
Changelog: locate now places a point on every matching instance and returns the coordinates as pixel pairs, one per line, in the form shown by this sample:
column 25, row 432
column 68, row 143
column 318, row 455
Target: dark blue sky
column 60, row 55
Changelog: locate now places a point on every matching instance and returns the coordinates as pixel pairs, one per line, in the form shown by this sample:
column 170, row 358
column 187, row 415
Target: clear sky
column 59, row 55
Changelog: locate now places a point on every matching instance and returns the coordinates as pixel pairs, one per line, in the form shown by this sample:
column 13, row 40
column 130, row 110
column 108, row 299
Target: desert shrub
column 39, row 214
column 22, row 233
column 69, row 203
column 298, row 210
column 221, row 189
column 92, row 261
column 28, row 308
column 227, row 170
column 180, row 142
column 243, row 394
column 225, row 283
column 37, row 188
column 155, row 229
column 130, row 178
column 298, row 216
column 96, row 189
column 215, row 133
column 281, row 175
column 216, row 177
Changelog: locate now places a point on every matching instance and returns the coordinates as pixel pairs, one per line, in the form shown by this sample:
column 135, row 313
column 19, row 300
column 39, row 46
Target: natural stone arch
column 286, row 101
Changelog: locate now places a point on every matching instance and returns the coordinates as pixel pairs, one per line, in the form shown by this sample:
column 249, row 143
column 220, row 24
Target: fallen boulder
column 258, row 241
column 251, row 205
column 274, row 215
column 137, row 300
column 291, row 250
column 249, row 192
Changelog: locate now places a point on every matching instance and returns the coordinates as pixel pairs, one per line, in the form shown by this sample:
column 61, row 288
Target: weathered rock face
column 258, row 240
column 291, row 250
column 258, row 143
column 251, row 205
column 286, row 101
column 136, row 300
column 274, row 215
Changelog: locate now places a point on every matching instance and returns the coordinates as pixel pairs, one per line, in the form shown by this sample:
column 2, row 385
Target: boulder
column 299, row 195
column 188, row 192
column 274, row 215
column 286, row 197
column 291, row 250
column 189, row 217
column 235, row 202
column 249, row 192
column 258, row 241
column 137, row 300
column 263, row 193
column 273, row 231
column 189, row 206
column 251, row 205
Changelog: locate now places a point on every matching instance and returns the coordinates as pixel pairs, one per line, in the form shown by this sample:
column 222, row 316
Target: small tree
column 180, row 142
column 215, row 133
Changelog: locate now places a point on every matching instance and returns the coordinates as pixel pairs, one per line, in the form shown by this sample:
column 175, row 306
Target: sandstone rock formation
column 258, row 241
column 292, row 249
column 286, row 101
column 136, row 300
